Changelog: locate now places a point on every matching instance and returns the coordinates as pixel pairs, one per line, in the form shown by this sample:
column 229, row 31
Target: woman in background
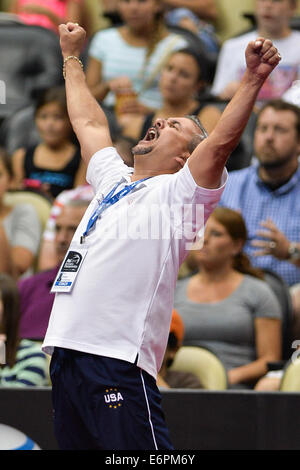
column 226, row 306
column 55, row 163
column 181, row 84
column 125, row 61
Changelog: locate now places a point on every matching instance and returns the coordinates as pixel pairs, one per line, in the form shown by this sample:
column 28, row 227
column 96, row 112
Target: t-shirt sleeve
column 26, row 230
column 266, row 303
column 186, row 191
column 105, row 166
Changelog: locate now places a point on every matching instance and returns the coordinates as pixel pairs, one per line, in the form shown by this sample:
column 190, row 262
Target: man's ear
column 183, row 158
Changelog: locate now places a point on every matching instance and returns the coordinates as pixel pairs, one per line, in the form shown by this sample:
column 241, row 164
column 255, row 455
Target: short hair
column 281, row 105
column 197, row 138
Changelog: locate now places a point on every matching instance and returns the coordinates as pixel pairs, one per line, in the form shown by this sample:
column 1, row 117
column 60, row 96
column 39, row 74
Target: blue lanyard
column 106, row 202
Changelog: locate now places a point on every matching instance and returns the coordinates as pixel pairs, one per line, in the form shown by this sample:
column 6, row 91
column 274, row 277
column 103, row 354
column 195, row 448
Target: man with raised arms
column 110, row 320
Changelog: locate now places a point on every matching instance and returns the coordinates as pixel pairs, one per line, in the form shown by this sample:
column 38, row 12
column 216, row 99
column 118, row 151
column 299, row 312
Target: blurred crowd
column 238, row 296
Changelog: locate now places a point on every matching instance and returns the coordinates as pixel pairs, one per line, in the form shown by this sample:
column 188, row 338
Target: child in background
column 54, row 164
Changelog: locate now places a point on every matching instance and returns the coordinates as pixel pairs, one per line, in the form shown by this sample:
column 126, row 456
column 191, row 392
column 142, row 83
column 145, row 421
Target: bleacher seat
column 30, row 60
column 202, row 363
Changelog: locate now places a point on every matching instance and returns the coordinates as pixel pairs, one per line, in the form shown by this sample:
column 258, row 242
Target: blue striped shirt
column 30, row 369
column 246, row 192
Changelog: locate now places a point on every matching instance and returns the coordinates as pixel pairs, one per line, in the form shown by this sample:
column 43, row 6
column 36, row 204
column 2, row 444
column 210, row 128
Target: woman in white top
column 128, row 58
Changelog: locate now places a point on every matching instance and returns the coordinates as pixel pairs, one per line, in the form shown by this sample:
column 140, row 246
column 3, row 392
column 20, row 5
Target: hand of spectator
column 275, row 242
column 120, row 84
column 133, row 106
column 261, row 58
column 72, row 38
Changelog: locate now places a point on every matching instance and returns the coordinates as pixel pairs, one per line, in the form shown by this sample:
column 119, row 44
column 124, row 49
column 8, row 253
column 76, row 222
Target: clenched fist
column 72, row 38
column 261, row 57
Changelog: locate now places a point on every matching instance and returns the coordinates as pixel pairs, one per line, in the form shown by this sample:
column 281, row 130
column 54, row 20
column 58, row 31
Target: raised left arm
column 209, row 158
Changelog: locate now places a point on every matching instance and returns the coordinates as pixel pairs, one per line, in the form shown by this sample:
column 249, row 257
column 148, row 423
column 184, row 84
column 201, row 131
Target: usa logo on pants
column 113, row 398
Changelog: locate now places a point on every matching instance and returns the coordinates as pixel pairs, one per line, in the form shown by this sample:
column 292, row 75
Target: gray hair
column 197, row 138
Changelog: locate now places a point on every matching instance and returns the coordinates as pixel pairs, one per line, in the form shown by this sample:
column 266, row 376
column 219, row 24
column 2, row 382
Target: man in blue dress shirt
column 268, row 192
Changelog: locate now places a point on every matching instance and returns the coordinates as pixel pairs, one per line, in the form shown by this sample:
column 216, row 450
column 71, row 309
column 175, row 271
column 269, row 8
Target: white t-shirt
column 231, row 65
column 122, row 299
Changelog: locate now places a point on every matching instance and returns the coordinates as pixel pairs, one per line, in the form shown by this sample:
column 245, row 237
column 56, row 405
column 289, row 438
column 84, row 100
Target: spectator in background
column 181, row 85
column 48, row 13
column 196, row 17
column 48, row 258
column 167, row 378
column 125, row 61
column 20, row 224
column 272, row 18
column 267, row 192
column 55, row 163
column 226, row 307
column 26, row 364
column 36, row 299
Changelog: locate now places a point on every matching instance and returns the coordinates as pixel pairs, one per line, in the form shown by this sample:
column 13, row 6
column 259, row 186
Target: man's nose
column 160, row 123
column 269, row 135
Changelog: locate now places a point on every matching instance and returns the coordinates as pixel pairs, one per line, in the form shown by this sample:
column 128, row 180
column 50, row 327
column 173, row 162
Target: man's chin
column 141, row 149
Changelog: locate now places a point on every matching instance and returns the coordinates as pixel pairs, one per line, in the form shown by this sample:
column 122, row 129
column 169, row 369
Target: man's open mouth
column 152, row 134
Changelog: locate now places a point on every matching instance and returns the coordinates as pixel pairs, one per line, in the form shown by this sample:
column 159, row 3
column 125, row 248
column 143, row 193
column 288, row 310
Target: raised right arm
column 87, row 118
